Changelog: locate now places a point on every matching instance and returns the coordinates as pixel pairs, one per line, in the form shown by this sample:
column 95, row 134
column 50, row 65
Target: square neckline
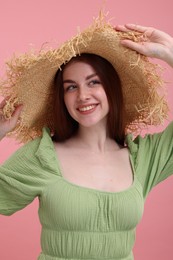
column 85, row 188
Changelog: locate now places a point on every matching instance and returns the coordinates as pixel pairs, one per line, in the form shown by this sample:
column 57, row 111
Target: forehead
column 77, row 68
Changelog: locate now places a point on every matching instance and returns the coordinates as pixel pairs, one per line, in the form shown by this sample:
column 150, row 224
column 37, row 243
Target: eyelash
column 95, row 81
column 72, row 87
column 69, row 88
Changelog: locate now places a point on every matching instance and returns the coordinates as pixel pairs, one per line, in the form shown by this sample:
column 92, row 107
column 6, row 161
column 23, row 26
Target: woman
column 91, row 197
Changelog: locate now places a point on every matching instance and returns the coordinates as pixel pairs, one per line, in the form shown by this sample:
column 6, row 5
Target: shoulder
column 28, row 152
column 164, row 137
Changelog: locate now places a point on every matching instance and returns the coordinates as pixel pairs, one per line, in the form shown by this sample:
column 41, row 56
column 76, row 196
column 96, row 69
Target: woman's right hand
column 7, row 125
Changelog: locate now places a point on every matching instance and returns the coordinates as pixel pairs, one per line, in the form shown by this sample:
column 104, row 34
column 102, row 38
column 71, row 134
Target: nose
column 83, row 94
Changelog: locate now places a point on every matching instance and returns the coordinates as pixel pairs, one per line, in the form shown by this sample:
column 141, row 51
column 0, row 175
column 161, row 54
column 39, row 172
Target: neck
column 94, row 138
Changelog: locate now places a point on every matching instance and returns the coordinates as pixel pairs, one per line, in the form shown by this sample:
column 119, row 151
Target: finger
column 134, row 46
column 15, row 116
column 3, row 103
column 1, row 116
column 17, row 111
column 121, row 28
column 136, row 27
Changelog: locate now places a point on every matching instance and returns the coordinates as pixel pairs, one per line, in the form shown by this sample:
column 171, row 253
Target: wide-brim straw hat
column 30, row 79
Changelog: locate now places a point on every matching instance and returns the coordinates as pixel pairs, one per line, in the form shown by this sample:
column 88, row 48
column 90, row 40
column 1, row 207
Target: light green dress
column 77, row 222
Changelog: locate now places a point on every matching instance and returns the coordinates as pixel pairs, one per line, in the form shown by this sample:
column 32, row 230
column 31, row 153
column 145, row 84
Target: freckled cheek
column 102, row 96
column 69, row 103
column 100, row 92
column 65, row 101
column 106, row 104
column 107, row 108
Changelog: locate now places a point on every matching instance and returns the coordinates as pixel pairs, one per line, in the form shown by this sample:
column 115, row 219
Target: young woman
column 91, row 179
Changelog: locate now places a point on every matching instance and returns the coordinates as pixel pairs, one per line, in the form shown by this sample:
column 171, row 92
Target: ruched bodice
column 82, row 223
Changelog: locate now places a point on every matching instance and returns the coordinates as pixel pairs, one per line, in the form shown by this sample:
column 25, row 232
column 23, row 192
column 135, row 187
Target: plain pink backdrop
column 29, row 24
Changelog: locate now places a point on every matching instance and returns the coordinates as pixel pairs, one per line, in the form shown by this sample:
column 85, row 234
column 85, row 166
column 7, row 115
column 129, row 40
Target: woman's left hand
column 155, row 43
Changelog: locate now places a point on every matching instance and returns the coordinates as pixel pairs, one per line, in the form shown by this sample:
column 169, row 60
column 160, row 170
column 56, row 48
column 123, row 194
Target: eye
column 70, row 88
column 94, row 82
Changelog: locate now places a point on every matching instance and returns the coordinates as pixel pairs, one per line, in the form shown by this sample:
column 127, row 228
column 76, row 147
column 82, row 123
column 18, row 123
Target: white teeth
column 86, row 108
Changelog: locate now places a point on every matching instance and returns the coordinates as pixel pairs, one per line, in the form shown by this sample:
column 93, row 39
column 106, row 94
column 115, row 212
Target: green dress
column 77, row 222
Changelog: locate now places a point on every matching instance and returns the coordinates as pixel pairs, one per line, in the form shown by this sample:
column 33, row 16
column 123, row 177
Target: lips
column 87, row 108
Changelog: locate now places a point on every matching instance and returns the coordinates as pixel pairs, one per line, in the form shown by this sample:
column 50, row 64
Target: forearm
column 169, row 55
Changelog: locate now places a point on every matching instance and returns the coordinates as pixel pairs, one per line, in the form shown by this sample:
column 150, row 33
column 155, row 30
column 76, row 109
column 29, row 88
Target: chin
column 92, row 123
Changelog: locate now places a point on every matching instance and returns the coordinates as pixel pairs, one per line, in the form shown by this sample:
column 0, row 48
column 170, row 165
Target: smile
column 87, row 108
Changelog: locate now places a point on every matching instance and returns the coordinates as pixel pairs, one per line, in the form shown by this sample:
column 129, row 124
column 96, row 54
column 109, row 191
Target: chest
column 110, row 171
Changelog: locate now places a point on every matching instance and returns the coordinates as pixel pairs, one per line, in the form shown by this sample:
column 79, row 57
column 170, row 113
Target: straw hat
column 30, row 78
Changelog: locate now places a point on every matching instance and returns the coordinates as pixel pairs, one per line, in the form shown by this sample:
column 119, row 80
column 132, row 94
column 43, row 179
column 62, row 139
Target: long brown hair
column 66, row 126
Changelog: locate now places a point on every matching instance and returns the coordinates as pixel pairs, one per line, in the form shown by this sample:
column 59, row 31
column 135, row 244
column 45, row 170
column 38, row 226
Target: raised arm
column 7, row 125
column 154, row 43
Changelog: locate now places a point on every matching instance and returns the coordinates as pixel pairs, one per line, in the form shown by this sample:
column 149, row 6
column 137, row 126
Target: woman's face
column 84, row 95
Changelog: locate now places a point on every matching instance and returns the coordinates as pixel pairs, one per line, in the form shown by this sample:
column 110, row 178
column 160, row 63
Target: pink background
column 28, row 24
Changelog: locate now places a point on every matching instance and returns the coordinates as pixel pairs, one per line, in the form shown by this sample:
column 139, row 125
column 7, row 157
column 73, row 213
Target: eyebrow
column 87, row 78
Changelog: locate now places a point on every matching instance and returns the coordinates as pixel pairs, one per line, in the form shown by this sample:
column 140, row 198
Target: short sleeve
column 22, row 178
column 153, row 157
